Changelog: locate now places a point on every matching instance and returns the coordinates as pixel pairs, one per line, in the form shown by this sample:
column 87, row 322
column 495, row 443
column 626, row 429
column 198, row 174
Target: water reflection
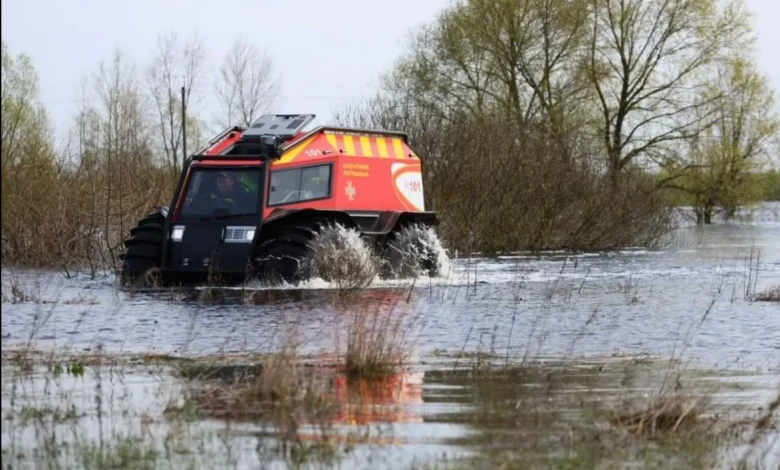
column 541, row 415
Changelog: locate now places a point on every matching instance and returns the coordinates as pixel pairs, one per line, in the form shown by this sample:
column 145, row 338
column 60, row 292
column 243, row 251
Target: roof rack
column 283, row 126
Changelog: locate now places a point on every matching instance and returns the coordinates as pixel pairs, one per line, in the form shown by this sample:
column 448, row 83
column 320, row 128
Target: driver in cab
column 229, row 193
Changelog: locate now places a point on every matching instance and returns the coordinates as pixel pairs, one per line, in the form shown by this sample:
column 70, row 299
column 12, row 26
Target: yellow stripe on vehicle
column 291, row 154
column 332, row 141
column 381, row 146
column 398, row 148
column 365, row 145
column 349, row 143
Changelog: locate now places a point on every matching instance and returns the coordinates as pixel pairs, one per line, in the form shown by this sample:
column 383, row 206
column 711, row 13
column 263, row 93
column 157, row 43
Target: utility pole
column 183, row 127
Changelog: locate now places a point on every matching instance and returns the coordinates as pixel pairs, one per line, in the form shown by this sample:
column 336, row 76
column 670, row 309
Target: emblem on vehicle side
column 350, row 191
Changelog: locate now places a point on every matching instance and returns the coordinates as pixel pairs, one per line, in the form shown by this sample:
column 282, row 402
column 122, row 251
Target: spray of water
column 416, row 251
column 340, row 256
column 341, row 259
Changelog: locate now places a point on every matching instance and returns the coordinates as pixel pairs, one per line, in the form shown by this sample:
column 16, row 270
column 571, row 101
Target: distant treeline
column 555, row 124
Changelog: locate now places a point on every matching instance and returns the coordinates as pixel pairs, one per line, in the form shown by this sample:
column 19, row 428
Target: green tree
column 25, row 124
column 516, row 56
column 738, row 144
column 29, row 164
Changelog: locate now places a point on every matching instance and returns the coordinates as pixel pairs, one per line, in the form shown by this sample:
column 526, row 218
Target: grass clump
column 377, row 341
column 283, row 386
column 771, row 294
column 123, row 453
column 664, row 415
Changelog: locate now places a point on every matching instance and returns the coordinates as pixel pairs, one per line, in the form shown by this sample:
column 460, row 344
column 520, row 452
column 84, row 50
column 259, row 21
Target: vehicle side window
column 299, row 184
column 315, row 180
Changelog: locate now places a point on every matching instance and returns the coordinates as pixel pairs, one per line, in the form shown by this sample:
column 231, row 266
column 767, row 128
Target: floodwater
column 691, row 301
column 695, row 295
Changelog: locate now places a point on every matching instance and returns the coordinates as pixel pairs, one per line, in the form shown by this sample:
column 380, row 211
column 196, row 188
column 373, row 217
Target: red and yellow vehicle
column 252, row 201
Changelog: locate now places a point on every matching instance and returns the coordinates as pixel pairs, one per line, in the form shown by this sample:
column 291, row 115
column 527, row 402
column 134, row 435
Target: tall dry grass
column 75, row 219
column 378, row 340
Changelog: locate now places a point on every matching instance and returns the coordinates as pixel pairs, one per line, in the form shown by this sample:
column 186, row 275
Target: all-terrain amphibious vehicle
column 251, row 203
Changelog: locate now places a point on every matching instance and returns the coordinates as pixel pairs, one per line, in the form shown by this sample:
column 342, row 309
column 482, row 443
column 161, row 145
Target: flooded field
column 656, row 358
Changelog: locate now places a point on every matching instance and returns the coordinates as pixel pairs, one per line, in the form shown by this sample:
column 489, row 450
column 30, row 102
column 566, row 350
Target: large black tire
column 282, row 257
column 142, row 256
column 407, row 253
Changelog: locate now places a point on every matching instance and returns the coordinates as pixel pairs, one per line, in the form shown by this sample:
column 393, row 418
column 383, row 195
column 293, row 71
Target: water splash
column 341, row 257
column 417, row 251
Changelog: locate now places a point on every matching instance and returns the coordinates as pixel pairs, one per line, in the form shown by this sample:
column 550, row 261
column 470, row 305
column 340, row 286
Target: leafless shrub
column 15, row 293
column 664, row 414
column 771, row 294
column 498, row 185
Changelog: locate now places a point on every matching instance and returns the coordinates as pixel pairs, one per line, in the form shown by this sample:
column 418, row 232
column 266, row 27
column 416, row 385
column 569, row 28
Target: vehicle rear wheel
column 141, row 259
column 410, row 252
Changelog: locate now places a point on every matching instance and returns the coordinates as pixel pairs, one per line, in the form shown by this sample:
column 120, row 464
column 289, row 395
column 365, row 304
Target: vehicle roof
column 344, row 141
column 323, row 141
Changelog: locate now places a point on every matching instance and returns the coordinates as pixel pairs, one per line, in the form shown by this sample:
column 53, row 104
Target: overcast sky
column 326, row 52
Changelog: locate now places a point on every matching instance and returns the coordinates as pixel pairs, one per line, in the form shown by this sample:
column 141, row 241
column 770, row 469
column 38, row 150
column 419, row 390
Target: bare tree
column 174, row 66
column 245, row 85
column 647, row 63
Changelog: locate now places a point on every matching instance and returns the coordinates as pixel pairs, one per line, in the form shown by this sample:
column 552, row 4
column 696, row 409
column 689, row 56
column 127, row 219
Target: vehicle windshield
column 222, row 192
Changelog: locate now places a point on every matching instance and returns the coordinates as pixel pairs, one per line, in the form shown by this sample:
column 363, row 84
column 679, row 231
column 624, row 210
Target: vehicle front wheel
column 141, row 259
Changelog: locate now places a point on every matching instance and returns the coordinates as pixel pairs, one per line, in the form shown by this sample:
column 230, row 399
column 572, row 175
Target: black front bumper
column 203, row 255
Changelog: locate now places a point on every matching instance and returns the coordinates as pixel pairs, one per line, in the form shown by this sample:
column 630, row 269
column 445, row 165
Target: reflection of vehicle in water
column 251, row 204
column 235, row 392
column 385, row 400
column 348, row 400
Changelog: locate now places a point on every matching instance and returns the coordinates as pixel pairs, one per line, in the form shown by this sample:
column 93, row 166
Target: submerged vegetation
column 296, row 413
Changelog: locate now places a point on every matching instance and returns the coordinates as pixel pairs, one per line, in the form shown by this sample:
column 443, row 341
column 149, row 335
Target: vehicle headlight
column 177, row 233
column 239, row 234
